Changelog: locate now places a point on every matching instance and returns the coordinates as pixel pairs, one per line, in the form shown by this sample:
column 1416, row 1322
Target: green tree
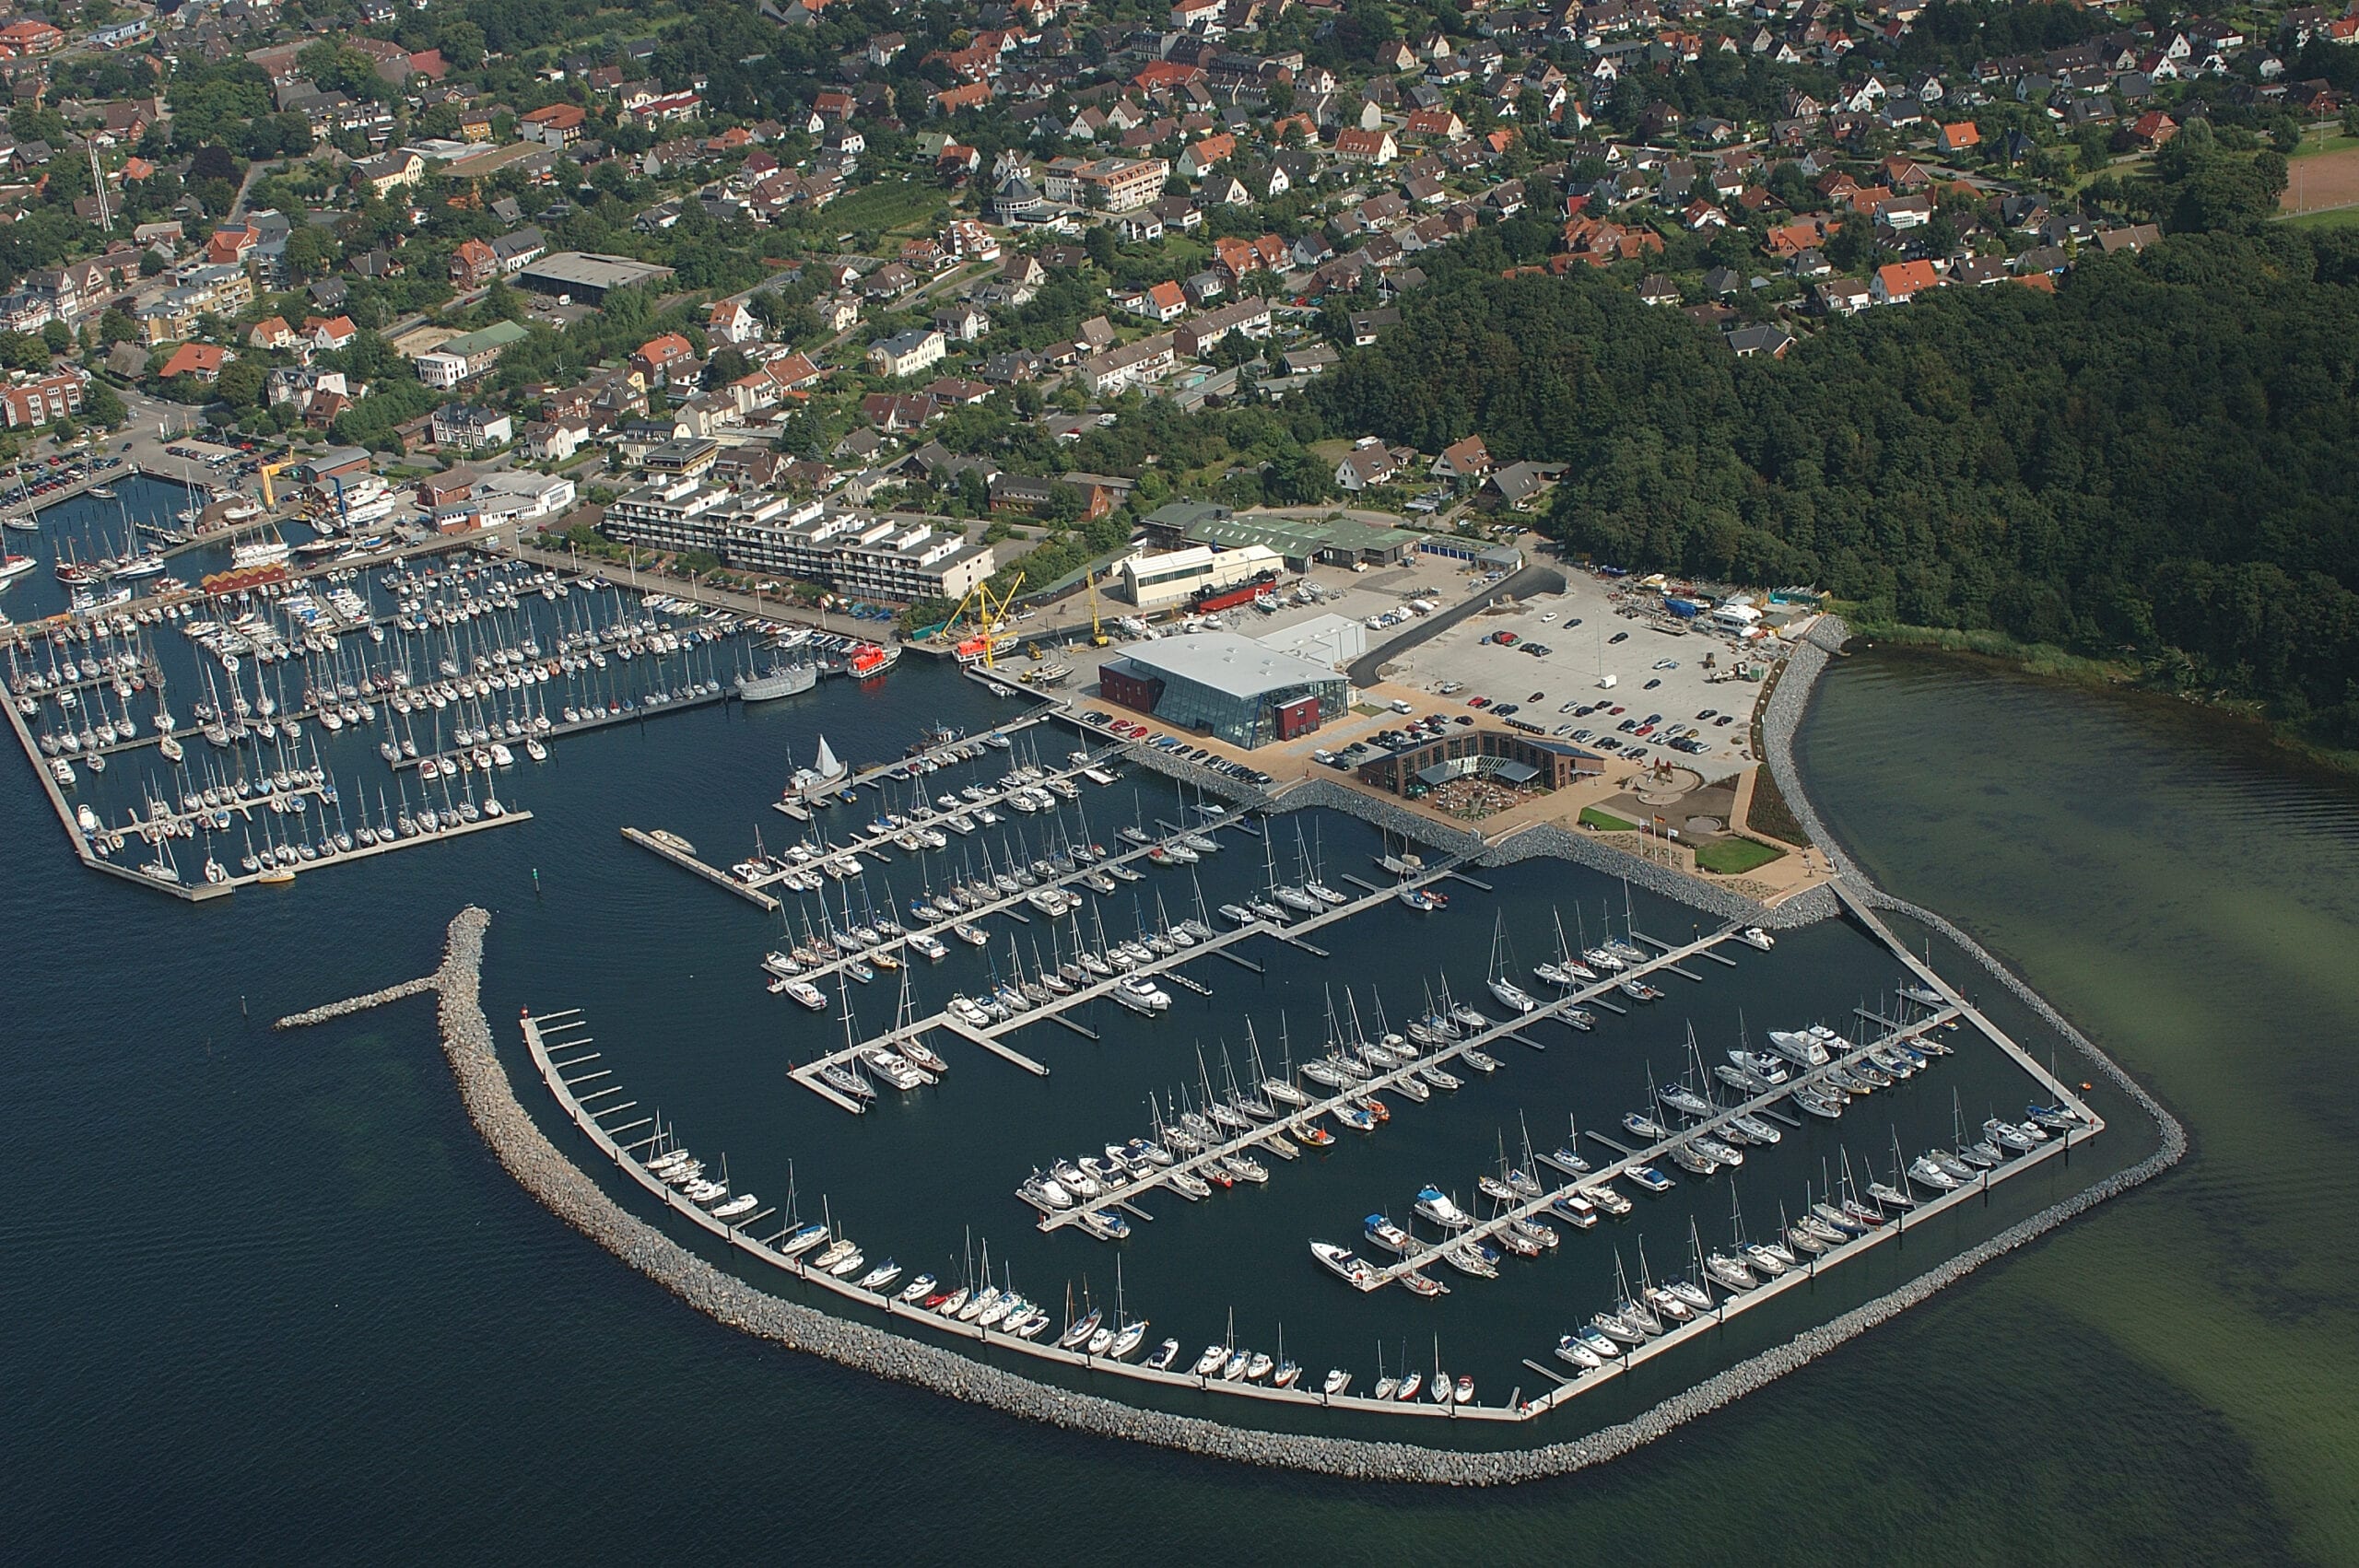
column 116, row 327
column 240, row 384
column 102, row 407
column 311, row 250
column 462, row 44
column 57, row 337
column 214, row 162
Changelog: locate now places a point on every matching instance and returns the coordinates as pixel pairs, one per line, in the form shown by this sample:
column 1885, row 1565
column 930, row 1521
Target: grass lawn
column 2312, row 144
column 1605, row 823
column 888, row 204
column 1734, row 857
column 2333, row 217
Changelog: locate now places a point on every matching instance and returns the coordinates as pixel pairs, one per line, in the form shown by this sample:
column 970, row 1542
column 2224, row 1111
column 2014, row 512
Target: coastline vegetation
column 1769, row 813
column 2147, row 465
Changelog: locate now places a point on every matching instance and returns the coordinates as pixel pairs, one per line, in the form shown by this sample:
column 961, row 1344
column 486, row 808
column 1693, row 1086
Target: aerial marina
column 204, row 739
column 989, row 993
column 1272, row 1069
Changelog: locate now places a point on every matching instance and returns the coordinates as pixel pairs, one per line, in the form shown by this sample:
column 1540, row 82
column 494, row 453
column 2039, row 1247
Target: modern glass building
column 1226, row 686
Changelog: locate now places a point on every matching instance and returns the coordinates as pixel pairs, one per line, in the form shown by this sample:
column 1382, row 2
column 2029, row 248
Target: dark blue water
column 276, row 1278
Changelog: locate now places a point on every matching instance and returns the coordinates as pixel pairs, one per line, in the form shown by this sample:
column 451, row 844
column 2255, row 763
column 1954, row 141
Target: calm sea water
column 277, row 1279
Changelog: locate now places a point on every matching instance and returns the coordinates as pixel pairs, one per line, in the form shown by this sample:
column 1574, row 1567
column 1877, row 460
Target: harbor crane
column 987, row 612
column 1098, row 638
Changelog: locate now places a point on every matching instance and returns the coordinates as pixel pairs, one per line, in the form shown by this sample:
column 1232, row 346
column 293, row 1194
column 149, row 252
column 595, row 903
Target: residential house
column 519, row 250
column 391, row 173
column 1747, row 341
column 1248, row 317
column 962, row 323
column 654, row 362
column 1897, row 283
column 729, row 321
column 1108, row 373
column 906, row 353
column 471, row 426
column 473, row 264
column 1464, row 462
column 1162, row 302
column 33, row 400
column 557, row 124
column 202, row 360
column 1364, row 467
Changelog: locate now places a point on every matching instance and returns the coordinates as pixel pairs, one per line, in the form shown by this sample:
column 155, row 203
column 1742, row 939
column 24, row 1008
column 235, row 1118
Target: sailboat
column 1510, row 995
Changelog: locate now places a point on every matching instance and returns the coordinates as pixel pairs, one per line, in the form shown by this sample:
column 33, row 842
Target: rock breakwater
column 358, row 1003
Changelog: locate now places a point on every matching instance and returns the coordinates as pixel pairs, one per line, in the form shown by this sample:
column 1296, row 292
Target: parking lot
column 1572, row 667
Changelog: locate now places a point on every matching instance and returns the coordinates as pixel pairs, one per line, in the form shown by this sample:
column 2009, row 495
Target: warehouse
column 587, row 277
column 1229, row 687
column 1302, row 543
column 1152, row 581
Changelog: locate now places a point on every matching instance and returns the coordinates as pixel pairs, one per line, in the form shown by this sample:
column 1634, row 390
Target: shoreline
column 2046, row 661
column 553, row 1179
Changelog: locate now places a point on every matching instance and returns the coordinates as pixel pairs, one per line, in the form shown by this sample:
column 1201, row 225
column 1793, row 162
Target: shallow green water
column 2192, row 903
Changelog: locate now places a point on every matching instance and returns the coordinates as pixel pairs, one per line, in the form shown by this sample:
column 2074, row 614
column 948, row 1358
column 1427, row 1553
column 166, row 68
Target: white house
column 730, row 322
column 907, row 353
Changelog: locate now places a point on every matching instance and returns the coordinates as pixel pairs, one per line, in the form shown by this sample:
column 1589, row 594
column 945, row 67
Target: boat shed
column 337, row 462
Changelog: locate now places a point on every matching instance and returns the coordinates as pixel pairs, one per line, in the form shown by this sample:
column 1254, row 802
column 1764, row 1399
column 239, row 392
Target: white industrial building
column 1170, row 577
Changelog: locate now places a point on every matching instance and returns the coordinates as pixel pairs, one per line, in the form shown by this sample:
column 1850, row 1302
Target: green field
column 1734, row 857
column 1604, row 823
column 888, row 204
column 2332, row 218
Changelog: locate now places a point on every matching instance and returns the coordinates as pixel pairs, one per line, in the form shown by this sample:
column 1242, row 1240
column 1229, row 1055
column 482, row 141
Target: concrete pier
column 688, row 862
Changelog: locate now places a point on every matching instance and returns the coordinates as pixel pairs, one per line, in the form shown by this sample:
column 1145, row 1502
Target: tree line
column 2153, row 461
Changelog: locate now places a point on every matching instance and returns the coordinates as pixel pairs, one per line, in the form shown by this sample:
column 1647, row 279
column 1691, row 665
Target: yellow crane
column 1098, row 638
column 987, row 612
column 270, row 470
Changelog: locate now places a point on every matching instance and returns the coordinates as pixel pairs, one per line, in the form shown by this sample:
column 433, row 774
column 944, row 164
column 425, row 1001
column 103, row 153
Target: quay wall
column 517, row 1141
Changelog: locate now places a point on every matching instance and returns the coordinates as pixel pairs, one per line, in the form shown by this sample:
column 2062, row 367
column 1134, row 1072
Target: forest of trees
column 2156, row 460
